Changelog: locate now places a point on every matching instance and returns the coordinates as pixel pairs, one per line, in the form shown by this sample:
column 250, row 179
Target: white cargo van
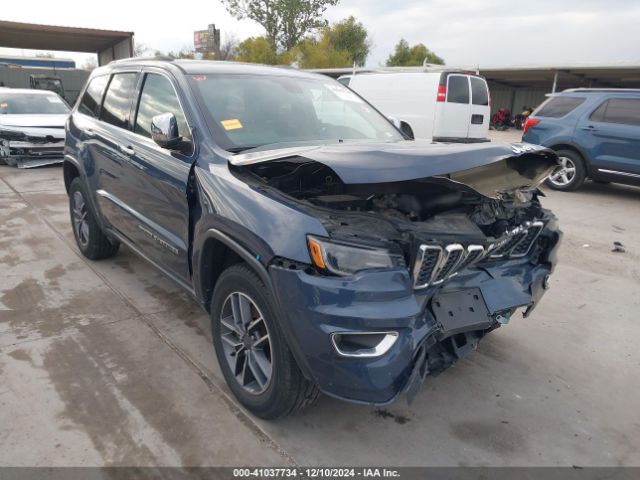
column 446, row 106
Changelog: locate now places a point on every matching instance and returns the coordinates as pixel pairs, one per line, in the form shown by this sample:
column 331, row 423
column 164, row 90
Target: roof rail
column 157, row 58
column 604, row 89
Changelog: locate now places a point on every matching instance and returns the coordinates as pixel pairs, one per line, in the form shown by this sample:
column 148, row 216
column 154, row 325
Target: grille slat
column 474, row 254
column 525, row 244
column 453, row 255
column 506, row 247
column 426, row 262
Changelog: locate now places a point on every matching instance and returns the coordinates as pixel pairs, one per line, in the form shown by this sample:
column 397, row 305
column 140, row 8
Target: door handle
column 127, row 150
column 589, row 128
column 89, row 132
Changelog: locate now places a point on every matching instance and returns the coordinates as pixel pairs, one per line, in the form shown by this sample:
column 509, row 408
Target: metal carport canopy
column 108, row 44
column 617, row 75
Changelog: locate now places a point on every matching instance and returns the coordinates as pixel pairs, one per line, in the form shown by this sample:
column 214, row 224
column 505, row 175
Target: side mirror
column 396, row 122
column 164, row 130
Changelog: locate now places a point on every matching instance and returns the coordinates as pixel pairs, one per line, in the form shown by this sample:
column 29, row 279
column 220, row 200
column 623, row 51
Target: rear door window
column 621, row 110
column 117, row 101
column 479, row 91
column 557, row 107
column 458, row 89
column 90, row 103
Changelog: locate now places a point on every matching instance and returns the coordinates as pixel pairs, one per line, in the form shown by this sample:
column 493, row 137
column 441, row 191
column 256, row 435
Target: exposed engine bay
column 440, row 224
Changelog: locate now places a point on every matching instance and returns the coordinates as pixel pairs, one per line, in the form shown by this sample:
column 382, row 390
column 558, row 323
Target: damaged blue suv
column 332, row 254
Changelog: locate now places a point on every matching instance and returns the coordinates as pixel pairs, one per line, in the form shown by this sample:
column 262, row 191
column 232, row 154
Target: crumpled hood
column 509, row 165
column 37, row 121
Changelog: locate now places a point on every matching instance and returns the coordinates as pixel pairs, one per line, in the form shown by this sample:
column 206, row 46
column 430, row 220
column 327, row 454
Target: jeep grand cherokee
column 332, row 254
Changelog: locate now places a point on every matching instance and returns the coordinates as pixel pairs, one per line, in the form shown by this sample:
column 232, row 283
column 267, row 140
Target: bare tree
column 228, row 48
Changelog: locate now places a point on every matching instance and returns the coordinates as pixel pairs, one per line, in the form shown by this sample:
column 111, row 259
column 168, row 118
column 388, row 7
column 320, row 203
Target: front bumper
column 31, row 149
column 313, row 307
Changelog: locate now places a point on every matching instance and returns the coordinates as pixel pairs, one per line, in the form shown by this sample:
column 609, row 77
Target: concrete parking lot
column 109, row 363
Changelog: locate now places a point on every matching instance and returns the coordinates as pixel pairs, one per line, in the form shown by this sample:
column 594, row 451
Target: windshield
column 251, row 111
column 31, row 103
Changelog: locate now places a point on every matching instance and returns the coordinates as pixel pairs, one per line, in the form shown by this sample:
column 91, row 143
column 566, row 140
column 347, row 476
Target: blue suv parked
column 596, row 133
column 331, row 253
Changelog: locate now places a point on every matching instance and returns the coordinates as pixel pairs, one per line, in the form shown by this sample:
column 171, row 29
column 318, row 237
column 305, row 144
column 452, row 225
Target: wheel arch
column 216, row 242
column 218, row 253
column 70, row 171
column 570, row 146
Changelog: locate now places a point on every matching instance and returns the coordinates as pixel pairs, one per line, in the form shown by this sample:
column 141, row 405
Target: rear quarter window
column 90, row 103
column 557, row 107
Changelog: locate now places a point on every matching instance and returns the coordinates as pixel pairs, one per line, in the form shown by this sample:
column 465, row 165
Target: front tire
column 251, row 349
column 90, row 238
column 571, row 173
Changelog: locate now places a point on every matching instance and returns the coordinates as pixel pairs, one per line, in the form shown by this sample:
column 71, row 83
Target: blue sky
column 463, row 32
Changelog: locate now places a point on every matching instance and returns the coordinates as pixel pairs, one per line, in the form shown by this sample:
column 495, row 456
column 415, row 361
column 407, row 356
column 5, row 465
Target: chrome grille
column 435, row 264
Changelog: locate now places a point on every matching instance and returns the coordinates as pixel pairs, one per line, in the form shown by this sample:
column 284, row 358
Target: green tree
column 406, row 56
column 286, row 21
column 257, row 50
column 319, row 53
column 351, row 37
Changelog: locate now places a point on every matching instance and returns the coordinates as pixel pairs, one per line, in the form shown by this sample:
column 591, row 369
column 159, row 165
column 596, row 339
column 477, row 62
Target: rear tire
column 251, row 349
column 571, row 174
column 90, row 238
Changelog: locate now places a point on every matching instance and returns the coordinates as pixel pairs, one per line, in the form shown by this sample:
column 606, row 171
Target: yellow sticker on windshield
column 233, row 124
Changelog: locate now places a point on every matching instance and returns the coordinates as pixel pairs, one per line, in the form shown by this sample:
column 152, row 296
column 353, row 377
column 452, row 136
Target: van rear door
column 479, row 122
column 453, row 112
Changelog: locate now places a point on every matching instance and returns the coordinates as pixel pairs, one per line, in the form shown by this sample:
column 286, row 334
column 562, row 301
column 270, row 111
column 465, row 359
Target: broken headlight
column 344, row 259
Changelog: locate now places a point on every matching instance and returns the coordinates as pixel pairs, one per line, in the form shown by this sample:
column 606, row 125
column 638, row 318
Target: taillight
column 442, row 93
column 531, row 122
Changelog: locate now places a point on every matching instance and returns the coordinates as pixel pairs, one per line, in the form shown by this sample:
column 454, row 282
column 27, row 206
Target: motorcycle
column 520, row 119
column 501, row 120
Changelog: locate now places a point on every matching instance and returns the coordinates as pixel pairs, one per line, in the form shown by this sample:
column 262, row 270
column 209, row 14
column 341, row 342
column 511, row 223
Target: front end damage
column 472, row 247
column 31, row 147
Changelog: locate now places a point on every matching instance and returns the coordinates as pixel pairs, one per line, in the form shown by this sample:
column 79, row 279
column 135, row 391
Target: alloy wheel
column 564, row 174
column 79, row 217
column 246, row 343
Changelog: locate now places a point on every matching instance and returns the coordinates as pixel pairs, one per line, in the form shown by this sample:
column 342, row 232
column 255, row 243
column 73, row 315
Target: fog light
column 363, row 344
column 546, row 283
